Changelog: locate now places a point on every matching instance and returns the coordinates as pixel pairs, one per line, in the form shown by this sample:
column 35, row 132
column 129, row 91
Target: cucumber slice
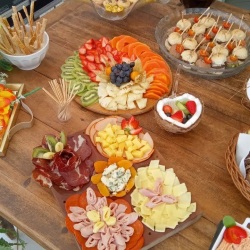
column 89, row 97
column 228, row 221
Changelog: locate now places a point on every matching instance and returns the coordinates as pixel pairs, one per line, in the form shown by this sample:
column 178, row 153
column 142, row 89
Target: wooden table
column 198, row 157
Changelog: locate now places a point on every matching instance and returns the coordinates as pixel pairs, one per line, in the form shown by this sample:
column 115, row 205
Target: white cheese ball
column 238, row 34
column 189, row 56
column 220, row 49
column 174, row 38
column 218, row 59
column 199, row 28
column 223, row 36
column 183, row 24
column 207, row 21
column 240, row 52
column 189, row 43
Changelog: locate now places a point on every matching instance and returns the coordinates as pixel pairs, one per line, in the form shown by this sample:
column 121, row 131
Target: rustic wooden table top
column 198, row 157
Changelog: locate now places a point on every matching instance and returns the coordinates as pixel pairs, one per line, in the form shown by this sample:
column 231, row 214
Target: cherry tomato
column 196, row 19
column 203, row 53
column 226, row 25
column 211, row 44
column 191, row 32
column 231, row 46
column 233, row 58
column 242, row 43
column 177, row 29
column 234, row 234
column 179, row 48
column 208, row 37
column 215, row 29
column 207, row 60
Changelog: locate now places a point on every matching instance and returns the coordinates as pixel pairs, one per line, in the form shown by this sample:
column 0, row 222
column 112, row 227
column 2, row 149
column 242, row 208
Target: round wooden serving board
column 96, row 107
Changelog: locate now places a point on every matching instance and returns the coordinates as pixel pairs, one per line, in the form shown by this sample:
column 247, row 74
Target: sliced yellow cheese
column 179, row 189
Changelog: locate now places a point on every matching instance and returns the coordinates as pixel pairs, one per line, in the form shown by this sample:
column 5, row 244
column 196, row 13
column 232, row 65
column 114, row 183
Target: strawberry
column 90, row 58
column 178, row 116
column 167, row 109
column 104, row 41
column 191, row 106
column 88, row 46
column 131, row 126
column 82, row 50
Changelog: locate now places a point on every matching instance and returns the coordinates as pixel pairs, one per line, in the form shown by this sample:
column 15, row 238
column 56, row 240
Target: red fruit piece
column 131, row 126
column 191, row 106
column 178, row 116
column 82, row 51
column 234, row 234
column 167, row 109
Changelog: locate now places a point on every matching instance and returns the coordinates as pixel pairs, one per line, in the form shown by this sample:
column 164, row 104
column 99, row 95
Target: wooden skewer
column 204, row 12
column 241, row 21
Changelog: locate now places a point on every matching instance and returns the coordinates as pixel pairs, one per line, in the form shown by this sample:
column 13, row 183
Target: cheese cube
column 137, row 142
column 119, row 153
column 110, row 139
column 131, row 137
column 121, row 146
column 105, row 144
column 137, row 153
column 116, row 128
column 141, row 103
column 121, row 138
column 98, row 139
column 120, row 132
column 129, row 156
column 145, row 148
column 128, row 144
column 114, row 146
column 109, row 151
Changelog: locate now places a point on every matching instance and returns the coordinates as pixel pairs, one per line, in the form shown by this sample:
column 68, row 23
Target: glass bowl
column 170, row 20
column 115, row 16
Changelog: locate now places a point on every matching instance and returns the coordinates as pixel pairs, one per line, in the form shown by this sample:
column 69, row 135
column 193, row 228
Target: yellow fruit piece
column 129, row 156
column 96, row 178
column 103, row 189
column 134, row 74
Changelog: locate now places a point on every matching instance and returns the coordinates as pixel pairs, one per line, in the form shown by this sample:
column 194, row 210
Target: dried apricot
column 100, row 166
column 96, row 178
column 124, row 164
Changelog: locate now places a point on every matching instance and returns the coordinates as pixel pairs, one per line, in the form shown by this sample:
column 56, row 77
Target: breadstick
column 31, row 13
column 28, row 18
column 44, row 23
column 22, row 21
column 20, row 44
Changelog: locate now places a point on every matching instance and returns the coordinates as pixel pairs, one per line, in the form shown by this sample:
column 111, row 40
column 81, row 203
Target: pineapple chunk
column 109, row 131
column 102, row 134
column 119, row 153
column 105, row 144
column 131, row 137
column 137, row 143
column 114, row 145
column 110, row 139
column 128, row 144
column 98, row 139
column 116, row 128
column 120, row 132
column 121, row 146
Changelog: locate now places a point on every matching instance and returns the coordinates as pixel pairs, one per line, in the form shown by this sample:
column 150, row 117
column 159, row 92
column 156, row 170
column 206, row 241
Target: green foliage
column 5, row 245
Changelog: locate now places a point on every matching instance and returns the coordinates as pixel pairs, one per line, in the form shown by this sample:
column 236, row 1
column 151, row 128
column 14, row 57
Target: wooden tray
column 4, row 141
column 151, row 238
column 96, row 107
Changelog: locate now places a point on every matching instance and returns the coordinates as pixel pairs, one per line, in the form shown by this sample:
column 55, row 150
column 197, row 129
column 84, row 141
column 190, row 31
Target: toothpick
column 241, row 21
column 48, row 93
column 204, row 13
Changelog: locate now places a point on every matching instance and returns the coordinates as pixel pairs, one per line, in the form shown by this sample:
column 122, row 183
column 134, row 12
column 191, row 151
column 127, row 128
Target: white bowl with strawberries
column 179, row 114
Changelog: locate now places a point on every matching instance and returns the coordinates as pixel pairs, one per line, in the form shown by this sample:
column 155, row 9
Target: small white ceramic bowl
column 32, row 61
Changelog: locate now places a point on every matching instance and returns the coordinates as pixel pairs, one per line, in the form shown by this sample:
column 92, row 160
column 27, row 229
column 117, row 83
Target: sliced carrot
column 126, row 164
column 114, row 159
column 114, row 40
column 100, row 166
column 151, row 95
column 69, row 224
column 138, row 232
column 138, row 245
column 125, row 41
column 73, row 200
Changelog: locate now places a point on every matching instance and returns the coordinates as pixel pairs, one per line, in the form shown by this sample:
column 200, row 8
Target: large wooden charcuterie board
column 97, row 108
column 151, row 238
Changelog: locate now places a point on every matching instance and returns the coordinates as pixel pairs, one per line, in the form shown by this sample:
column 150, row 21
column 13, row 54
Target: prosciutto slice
column 69, row 169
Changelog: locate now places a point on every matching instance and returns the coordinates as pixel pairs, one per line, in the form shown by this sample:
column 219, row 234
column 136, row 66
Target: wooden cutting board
column 151, row 238
column 96, row 107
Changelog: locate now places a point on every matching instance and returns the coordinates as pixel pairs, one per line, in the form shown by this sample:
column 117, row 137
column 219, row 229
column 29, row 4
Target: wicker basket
column 172, row 128
column 233, row 169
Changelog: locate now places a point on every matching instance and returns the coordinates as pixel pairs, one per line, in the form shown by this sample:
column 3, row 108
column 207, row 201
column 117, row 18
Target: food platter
column 169, row 21
column 151, row 238
column 17, row 88
column 117, row 76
